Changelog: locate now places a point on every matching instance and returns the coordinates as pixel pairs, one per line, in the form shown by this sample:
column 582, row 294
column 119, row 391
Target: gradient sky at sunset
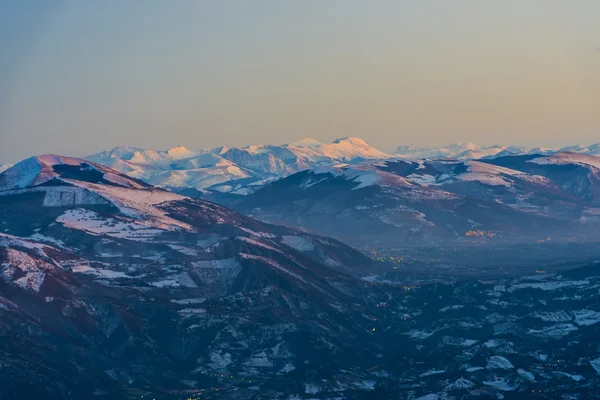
column 80, row 76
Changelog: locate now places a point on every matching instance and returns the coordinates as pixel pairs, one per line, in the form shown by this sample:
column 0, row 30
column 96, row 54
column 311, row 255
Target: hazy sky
column 79, row 76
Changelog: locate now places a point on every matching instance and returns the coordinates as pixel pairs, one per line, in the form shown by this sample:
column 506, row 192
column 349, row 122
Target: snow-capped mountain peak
column 40, row 170
column 180, row 152
column 119, row 152
column 74, row 182
column 221, row 168
column 455, row 150
column 567, row 157
column 349, row 148
column 352, row 141
column 307, row 142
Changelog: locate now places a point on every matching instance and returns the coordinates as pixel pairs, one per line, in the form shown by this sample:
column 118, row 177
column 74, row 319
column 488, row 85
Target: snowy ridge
column 495, row 175
column 349, row 148
column 38, row 170
column 568, row 158
column 234, row 169
column 78, row 182
column 221, row 168
column 370, row 173
column 365, row 174
column 472, row 151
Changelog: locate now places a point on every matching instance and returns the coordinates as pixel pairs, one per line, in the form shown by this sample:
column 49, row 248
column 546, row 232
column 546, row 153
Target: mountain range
column 460, row 192
column 423, row 202
column 233, row 170
column 470, row 151
column 349, row 190
column 230, row 169
column 111, row 288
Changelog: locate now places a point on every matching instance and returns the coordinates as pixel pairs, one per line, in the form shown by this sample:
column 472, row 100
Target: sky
column 81, row 76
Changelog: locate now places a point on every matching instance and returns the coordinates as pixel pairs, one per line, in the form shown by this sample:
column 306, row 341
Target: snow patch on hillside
column 101, row 273
column 93, row 223
column 24, row 271
column 567, row 158
column 298, row 242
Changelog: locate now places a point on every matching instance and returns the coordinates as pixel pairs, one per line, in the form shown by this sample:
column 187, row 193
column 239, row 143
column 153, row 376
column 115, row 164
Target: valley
column 481, row 260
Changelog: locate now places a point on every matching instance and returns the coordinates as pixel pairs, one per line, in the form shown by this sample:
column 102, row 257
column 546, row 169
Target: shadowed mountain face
column 402, row 202
column 113, row 289
column 576, row 174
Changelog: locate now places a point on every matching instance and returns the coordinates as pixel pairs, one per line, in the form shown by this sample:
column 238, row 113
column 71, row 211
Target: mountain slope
column 576, row 174
column 149, row 289
column 420, row 202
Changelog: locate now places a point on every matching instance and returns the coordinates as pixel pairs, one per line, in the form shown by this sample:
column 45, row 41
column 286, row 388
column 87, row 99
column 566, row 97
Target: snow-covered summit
column 472, row 151
column 39, row 170
column 74, row 182
column 349, row 148
column 229, row 169
column 451, row 150
column 461, row 151
column 180, row 152
column 591, row 150
column 222, row 167
column 306, row 142
column 568, row 158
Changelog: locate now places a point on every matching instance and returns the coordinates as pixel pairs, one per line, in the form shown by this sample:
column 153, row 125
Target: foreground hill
column 139, row 287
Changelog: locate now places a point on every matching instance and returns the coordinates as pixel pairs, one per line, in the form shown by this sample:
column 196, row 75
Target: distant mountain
column 434, row 200
column 178, row 167
column 525, row 191
column 591, row 150
column 577, row 174
column 4, row 167
column 425, row 152
column 306, row 142
column 230, row 169
column 243, row 170
column 461, row 151
column 472, row 151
